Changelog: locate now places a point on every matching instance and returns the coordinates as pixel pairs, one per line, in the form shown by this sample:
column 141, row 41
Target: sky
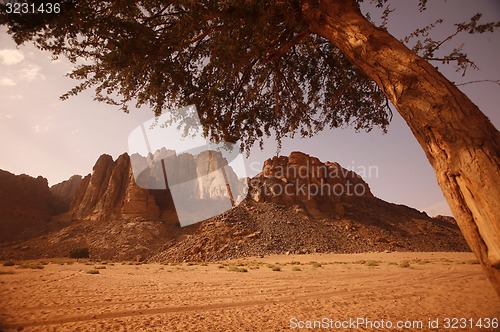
column 41, row 135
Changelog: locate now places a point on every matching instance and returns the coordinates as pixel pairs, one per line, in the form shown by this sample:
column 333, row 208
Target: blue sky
column 41, row 135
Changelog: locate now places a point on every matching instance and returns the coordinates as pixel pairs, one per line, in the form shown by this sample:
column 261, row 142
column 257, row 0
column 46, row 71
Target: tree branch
column 286, row 47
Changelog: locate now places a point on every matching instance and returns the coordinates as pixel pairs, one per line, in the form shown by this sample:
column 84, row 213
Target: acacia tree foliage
column 252, row 68
column 289, row 66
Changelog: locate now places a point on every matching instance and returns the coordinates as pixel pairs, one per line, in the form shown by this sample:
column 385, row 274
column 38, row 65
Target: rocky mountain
column 64, row 192
column 26, row 206
column 305, row 182
column 112, row 191
column 297, row 204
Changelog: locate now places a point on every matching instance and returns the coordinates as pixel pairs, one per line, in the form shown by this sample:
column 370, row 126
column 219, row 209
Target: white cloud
column 8, row 116
column 10, row 57
column 16, row 96
column 74, row 131
column 32, row 72
column 4, row 81
column 40, row 129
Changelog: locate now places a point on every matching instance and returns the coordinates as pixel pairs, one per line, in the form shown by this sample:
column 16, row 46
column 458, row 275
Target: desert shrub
column 7, row 272
column 276, row 268
column 79, row 253
column 371, row 263
column 234, row 268
column 8, row 263
column 404, row 264
column 31, row 266
column 296, row 268
column 316, row 264
column 93, row 272
column 100, row 267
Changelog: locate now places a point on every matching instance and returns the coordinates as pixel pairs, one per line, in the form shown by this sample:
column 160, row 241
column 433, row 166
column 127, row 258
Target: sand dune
column 336, row 290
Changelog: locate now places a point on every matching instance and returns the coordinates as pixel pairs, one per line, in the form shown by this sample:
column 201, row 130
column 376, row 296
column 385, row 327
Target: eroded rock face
column 313, row 186
column 111, row 192
column 25, row 205
column 64, row 192
column 117, row 190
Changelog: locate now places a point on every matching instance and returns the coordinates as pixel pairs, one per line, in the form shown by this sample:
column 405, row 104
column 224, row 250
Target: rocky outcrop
column 122, row 211
column 63, row 193
column 110, row 192
column 192, row 175
column 308, row 184
column 25, row 205
column 141, row 187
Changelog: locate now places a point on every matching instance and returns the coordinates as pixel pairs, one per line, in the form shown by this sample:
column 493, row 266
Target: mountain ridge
column 286, row 210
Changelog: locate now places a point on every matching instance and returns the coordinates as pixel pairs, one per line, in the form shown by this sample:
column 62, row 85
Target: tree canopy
column 252, row 68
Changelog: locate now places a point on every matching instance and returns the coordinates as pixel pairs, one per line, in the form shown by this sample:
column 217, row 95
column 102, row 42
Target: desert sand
column 276, row 293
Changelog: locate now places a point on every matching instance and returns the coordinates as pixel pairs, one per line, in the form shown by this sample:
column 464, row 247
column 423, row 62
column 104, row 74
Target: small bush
column 371, row 263
column 8, row 263
column 100, row 267
column 276, row 268
column 421, row 261
column 404, row 264
column 7, row 272
column 296, row 268
column 316, row 264
column 31, row 266
column 79, row 253
column 93, row 272
column 234, row 268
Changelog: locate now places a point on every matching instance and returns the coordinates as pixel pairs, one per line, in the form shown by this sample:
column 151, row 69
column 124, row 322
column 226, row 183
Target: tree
column 293, row 66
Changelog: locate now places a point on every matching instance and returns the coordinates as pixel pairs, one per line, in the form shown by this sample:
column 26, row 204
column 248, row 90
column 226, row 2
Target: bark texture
column 460, row 142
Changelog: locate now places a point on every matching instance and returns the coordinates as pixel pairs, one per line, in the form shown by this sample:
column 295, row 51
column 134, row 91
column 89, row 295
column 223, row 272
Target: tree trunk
column 460, row 142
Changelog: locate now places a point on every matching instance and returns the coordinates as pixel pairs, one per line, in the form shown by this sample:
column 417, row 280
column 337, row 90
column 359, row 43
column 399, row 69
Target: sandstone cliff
column 110, row 192
column 122, row 211
column 25, row 205
column 139, row 187
column 64, row 192
column 307, row 184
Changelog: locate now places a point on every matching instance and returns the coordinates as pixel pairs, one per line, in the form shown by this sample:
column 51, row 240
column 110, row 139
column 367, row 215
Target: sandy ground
column 337, row 295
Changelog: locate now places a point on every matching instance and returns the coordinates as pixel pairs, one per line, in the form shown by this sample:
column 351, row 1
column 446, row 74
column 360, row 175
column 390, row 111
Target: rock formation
column 110, row 192
column 136, row 186
column 123, row 211
column 64, row 192
column 308, row 184
column 25, row 205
